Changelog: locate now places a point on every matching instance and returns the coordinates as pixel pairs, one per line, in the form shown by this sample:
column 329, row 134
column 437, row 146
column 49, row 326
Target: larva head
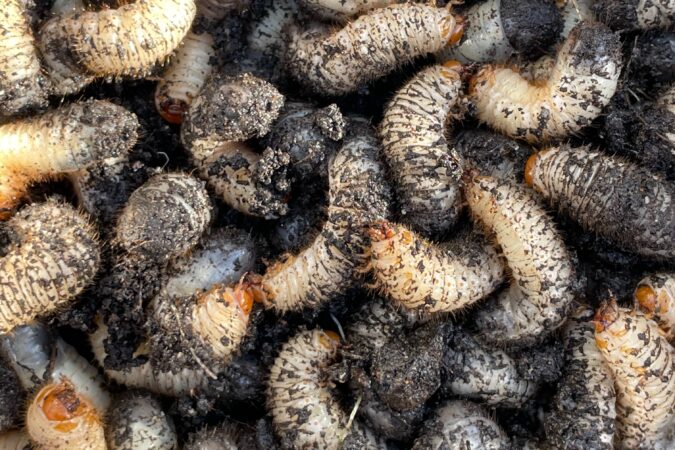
column 654, row 296
column 606, row 315
column 381, row 231
column 452, row 29
column 58, row 410
column 328, row 339
column 484, row 77
column 530, row 167
column 452, row 69
column 647, row 299
column 172, row 110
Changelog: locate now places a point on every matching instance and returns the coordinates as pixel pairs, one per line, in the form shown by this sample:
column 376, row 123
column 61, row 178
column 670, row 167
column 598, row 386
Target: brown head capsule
column 655, row 296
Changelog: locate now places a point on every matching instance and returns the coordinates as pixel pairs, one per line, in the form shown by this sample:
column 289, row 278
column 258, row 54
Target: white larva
column 15, row 440
column 267, row 34
column 22, row 85
column 655, row 296
column 541, row 292
column 136, row 421
column 64, row 140
column 425, row 172
column 427, row 278
column 643, row 364
column 461, row 425
column 54, row 257
column 59, row 418
column 621, row 201
column 334, row 63
column 342, row 10
column 636, row 14
column 580, row 85
column 573, row 12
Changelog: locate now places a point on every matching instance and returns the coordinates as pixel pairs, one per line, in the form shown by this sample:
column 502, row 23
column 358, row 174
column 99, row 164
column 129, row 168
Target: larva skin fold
column 616, row 199
column 59, row 418
column 655, row 296
column 458, row 425
column 425, row 172
column 643, row 364
column 61, row 141
column 636, row 14
column 358, row 196
column 335, row 63
column 541, row 292
column 424, row 277
column 136, row 421
column 22, row 84
column 580, row 85
column 54, row 257
column 342, row 9
column 15, row 440
column 584, row 413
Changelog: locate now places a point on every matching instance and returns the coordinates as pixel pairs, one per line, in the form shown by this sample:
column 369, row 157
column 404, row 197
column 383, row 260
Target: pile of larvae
column 337, row 224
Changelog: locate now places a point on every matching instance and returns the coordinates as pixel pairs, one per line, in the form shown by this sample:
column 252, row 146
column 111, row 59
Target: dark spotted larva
column 22, row 85
column 583, row 414
column 655, row 295
column 541, row 292
column 421, row 276
column 128, row 40
column 499, row 29
column 580, row 85
column 136, row 421
column 613, row 198
column 358, row 196
column 643, row 364
column 64, row 140
column 461, row 425
column 267, row 34
column 59, row 418
column 15, row 440
column 333, row 63
column 54, row 256
column 634, row 14
column 342, row 9
column 426, row 173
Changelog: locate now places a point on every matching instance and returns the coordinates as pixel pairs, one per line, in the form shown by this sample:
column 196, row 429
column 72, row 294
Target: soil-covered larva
column 618, row 200
column 573, row 12
column 54, row 256
column 643, row 364
column 475, row 371
column 655, row 295
column 499, row 29
column 541, row 292
column 342, row 10
column 226, row 436
column 22, row 84
column 304, row 411
column 581, row 84
column 636, row 14
column 461, row 425
column 15, row 440
column 63, row 140
column 419, row 275
column 358, row 196
column 584, row 414
column 136, row 421
column 267, row 34
column 59, row 418
column 334, row 63
column 425, row 171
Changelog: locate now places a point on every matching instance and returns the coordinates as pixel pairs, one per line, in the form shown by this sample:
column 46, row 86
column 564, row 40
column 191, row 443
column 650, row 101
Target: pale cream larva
column 643, row 364
column 422, row 276
column 334, row 63
column 22, row 84
column 54, row 256
column 61, row 141
column 128, row 40
column 618, row 200
column 580, row 85
column 342, row 10
column 267, row 34
column 136, row 421
column 15, row 440
column 59, row 418
column 636, row 14
column 541, row 292
column 425, row 171
column 655, row 296
column 573, row 12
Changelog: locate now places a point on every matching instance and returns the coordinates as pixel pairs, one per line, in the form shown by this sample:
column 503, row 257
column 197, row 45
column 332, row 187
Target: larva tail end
column 381, row 231
column 606, row 315
column 329, row 339
column 529, row 168
column 172, row 110
column 647, row 299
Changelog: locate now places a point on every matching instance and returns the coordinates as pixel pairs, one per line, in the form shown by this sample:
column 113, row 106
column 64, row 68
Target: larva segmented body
column 421, row 276
column 480, row 373
column 22, row 85
column 342, row 9
column 584, row 410
column 634, row 14
column 227, row 436
column 581, row 84
column 461, row 425
column 573, row 12
column 543, row 277
column 15, row 440
column 358, row 196
column 426, row 173
column 56, row 255
column 643, row 364
column 60, row 141
column 655, row 296
column 615, row 199
column 266, row 35
column 59, row 418
column 334, row 63
column 136, row 421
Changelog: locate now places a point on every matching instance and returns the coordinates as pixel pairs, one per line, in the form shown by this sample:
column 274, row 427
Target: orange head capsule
column 455, row 32
column 646, row 298
column 529, row 168
column 329, row 339
column 606, row 315
column 380, row 231
column 173, row 110
column 61, row 403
